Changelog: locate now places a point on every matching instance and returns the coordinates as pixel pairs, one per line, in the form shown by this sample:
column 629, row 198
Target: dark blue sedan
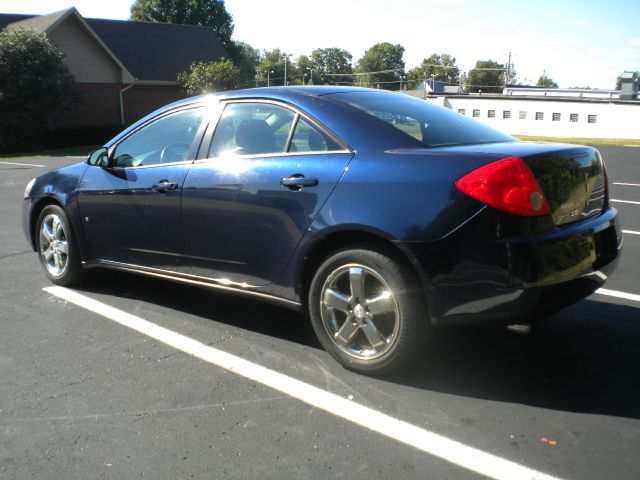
column 317, row 199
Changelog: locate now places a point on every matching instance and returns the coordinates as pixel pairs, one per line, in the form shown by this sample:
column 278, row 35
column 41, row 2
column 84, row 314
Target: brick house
column 123, row 70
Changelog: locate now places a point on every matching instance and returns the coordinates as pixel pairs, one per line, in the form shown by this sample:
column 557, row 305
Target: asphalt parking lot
column 82, row 396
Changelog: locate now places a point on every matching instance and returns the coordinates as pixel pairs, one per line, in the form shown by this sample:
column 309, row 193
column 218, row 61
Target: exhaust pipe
column 520, row 328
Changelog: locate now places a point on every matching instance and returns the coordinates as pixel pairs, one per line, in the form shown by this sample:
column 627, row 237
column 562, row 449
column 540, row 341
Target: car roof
column 311, row 97
column 281, row 93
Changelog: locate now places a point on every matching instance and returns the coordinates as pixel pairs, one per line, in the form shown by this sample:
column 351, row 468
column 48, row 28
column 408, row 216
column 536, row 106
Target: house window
column 539, row 115
column 592, row 118
column 522, row 115
column 573, row 117
column 476, row 113
column 556, row 117
column 461, row 111
column 506, row 114
column 491, row 113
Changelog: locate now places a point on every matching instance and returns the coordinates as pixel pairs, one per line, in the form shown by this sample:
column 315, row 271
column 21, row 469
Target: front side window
column 165, row 140
column 252, row 129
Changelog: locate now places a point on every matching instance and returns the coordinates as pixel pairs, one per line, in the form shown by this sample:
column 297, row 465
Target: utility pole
column 425, row 84
column 286, row 56
column 507, row 79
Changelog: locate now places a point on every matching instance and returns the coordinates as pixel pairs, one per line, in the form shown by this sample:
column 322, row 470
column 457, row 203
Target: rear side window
column 429, row 124
column 308, row 138
column 252, row 129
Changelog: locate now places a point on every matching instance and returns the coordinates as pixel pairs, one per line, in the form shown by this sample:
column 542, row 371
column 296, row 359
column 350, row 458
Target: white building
column 568, row 113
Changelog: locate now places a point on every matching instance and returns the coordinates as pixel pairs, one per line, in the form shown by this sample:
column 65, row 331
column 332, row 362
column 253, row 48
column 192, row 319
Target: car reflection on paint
column 379, row 214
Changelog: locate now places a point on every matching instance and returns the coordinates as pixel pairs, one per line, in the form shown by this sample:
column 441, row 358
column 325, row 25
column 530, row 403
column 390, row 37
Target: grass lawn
column 82, row 151
column 582, row 141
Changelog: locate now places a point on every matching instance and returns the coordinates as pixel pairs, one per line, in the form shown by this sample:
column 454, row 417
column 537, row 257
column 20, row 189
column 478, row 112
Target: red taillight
column 507, row 185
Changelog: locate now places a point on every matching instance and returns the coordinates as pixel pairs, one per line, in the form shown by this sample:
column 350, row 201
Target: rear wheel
column 367, row 311
column 57, row 249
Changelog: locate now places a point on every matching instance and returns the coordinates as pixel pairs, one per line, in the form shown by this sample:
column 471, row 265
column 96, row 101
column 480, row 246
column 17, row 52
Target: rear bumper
column 472, row 279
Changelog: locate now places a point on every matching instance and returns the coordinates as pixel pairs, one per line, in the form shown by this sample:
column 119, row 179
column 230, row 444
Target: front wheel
column 367, row 311
column 57, row 249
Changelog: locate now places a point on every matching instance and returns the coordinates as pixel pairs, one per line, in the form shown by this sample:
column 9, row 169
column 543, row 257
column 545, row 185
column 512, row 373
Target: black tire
column 57, row 248
column 397, row 320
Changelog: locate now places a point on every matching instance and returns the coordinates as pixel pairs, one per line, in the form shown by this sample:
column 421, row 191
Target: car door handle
column 298, row 181
column 164, row 186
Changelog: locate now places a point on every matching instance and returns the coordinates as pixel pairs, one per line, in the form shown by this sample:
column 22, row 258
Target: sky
column 578, row 43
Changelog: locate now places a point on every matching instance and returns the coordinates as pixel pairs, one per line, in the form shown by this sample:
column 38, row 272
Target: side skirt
column 221, row 285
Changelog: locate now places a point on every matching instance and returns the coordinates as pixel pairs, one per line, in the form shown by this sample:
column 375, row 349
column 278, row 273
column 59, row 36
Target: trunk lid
column 573, row 181
column 572, row 177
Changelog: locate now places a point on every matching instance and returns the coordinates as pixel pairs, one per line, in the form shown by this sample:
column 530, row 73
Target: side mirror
column 99, row 157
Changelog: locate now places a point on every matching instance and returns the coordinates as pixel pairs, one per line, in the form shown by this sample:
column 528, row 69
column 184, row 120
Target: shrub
column 205, row 77
column 35, row 89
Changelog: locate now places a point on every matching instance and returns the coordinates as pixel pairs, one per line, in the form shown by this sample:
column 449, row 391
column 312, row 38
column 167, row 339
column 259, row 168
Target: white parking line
column 615, row 293
column 23, row 164
column 627, row 184
column 429, row 442
column 624, row 201
column 632, row 232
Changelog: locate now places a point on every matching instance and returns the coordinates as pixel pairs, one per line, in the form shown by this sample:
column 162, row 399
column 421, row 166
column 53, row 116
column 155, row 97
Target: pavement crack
column 16, row 254
column 137, row 414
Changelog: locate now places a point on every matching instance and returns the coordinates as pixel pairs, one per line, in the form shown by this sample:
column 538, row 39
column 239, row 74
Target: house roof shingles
column 158, row 51
column 154, row 52
column 38, row 23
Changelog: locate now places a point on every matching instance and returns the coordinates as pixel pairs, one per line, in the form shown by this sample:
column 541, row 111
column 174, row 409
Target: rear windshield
column 429, row 124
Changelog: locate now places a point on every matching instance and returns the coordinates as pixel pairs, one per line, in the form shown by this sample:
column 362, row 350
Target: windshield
column 429, row 124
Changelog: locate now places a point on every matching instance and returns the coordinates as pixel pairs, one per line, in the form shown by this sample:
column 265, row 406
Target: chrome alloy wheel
column 54, row 247
column 359, row 311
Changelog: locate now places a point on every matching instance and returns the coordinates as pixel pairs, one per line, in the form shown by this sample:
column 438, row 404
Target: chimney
column 629, row 86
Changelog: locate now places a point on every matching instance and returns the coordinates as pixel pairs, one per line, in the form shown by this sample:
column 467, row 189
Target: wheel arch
column 326, row 245
column 35, row 211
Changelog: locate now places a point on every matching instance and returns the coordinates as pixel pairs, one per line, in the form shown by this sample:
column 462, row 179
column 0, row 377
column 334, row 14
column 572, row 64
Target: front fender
column 56, row 187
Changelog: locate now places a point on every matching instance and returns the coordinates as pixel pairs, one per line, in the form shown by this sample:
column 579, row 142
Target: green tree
column 247, row 59
column 271, row 68
column 384, row 57
column 441, row 68
column 546, row 82
column 35, row 89
column 487, row 76
column 206, row 13
column 325, row 61
column 206, row 77
column 304, row 68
